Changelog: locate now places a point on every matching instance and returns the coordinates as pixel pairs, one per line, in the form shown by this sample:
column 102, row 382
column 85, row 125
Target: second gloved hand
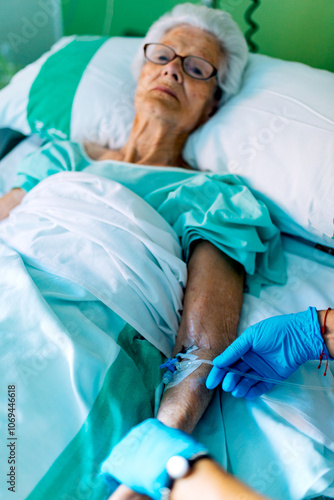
column 139, row 460
column 273, row 348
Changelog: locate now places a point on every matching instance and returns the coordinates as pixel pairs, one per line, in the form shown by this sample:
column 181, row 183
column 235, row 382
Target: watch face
column 177, row 467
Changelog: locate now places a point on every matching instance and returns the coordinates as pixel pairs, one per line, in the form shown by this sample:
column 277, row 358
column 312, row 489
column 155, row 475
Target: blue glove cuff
column 315, row 333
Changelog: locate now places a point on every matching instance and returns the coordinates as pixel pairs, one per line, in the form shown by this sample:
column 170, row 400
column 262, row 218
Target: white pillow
column 276, row 134
column 82, row 89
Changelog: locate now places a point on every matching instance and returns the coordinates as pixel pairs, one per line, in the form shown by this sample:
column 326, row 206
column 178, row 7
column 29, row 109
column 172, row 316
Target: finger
column 215, row 377
column 243, row 387
column 263, row 365
column 240, row 366
column 231, row 380
column 234, row 352
column 258, row 389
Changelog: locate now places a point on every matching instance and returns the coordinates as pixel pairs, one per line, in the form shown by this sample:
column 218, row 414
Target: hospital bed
column 283, row 443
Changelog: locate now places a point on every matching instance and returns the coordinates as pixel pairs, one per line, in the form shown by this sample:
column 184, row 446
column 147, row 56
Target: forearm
column 329, row 330
column 10, row 200
column 208, row 480
column 212, row 306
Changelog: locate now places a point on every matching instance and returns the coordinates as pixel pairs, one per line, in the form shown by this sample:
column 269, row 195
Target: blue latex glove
column 139, row 460
column 273, row 348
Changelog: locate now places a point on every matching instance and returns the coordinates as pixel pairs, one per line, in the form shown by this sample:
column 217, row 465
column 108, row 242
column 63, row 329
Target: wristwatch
column 178, row 467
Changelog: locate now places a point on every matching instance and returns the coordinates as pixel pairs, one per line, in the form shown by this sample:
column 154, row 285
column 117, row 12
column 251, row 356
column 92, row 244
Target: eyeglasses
column 194, row 66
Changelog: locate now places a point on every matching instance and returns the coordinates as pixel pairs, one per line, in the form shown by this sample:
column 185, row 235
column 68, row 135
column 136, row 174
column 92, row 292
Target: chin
column 158, row 107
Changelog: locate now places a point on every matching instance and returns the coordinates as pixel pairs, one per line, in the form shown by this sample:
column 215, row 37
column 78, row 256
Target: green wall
column 299, row 30
column 296, row 30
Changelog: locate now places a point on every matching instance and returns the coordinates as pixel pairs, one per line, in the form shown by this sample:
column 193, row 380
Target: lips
column 166, row 90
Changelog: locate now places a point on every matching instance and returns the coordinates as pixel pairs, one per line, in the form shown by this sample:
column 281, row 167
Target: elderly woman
column 191, row 62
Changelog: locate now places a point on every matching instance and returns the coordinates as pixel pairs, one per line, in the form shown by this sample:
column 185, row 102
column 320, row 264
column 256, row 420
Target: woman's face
column 168, row 93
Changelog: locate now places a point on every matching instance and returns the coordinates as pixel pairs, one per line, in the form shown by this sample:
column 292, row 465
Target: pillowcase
column 276, row 134
column 82, row 89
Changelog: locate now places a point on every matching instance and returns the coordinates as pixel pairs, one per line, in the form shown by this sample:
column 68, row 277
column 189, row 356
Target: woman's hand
column 273, row 349
column 10, row 200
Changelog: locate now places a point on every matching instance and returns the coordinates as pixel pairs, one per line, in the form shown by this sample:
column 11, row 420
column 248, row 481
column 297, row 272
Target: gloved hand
column 139, row 460
column 273, row 348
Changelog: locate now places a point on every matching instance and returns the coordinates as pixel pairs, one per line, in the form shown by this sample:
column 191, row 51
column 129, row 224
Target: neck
column 154, row 142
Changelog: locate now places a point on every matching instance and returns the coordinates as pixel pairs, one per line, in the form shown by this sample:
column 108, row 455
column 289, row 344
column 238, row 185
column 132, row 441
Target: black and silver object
column 178, row 467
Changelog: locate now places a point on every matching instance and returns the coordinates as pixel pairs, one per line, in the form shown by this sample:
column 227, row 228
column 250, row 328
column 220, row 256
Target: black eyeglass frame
column 182, row 58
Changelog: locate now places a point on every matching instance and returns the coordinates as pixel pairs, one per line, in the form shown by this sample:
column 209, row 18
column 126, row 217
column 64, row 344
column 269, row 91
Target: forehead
column 190, row 40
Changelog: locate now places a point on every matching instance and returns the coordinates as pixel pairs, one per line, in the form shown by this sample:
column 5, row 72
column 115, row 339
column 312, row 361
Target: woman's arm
column 10, row 200
column 212, row 306
column 206, row 480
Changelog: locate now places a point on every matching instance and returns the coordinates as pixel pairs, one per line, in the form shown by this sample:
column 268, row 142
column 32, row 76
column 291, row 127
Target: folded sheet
column 105, row 238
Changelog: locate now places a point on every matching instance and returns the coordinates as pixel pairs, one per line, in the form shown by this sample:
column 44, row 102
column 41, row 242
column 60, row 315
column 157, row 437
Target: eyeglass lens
column 195, row 67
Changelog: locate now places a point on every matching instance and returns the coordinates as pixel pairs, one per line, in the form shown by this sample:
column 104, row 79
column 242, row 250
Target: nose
column 174, row 69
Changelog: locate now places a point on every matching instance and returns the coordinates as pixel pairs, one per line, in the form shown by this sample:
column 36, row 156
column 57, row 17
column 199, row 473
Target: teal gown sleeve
column 53, row 157
column 220, row 209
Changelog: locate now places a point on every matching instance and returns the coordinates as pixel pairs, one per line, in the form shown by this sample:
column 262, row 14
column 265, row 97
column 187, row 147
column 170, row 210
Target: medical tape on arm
column 185, row 367
column 180, row 368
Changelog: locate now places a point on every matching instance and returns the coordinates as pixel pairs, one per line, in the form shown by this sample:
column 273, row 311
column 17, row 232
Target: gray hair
column 215, row 21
